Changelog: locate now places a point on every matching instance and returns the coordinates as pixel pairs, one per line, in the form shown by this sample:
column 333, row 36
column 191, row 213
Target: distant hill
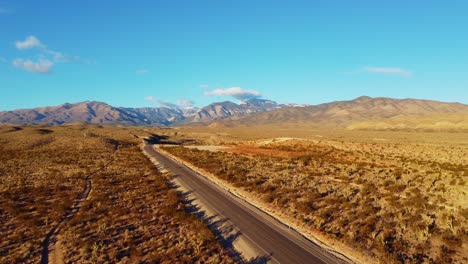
column 102, row 113
column 230, row 109
column 364, row 109
column 360, row 113
column 438, row 122
column 89, row 112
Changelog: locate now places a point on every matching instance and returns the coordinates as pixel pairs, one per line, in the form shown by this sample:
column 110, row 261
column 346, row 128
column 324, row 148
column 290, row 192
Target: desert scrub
column 378, row 198
column 127, row 216
column 133, row 216
column 41, row 174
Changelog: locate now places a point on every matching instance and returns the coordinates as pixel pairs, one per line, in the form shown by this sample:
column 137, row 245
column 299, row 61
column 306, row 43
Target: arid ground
column 86, row 192
column 89, row 193
column 385, row 196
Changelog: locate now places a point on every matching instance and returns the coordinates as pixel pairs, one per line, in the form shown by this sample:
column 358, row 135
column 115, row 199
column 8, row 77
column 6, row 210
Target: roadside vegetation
column 130, row 216
column 396, row 202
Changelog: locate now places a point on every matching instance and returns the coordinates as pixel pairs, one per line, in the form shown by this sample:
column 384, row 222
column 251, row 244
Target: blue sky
column 139, row 53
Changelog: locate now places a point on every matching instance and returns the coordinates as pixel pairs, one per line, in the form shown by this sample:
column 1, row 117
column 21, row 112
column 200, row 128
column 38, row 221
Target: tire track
column 49, row 242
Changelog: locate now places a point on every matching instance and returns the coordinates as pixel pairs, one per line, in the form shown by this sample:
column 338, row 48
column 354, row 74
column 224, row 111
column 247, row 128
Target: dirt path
column 52, row 246
column 56, row 254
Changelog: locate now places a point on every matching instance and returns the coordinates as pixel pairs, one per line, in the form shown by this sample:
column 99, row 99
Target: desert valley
column 247, row 132
column 357, row 176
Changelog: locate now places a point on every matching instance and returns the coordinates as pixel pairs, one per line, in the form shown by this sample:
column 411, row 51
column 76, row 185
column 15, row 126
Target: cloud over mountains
column 236, row 92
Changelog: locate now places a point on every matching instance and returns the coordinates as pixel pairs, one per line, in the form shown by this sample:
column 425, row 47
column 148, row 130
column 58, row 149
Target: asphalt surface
column 271, row 239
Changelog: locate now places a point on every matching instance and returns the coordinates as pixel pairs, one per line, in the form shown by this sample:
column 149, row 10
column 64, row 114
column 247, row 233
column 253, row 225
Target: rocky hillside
column 362, row 109
column 449, row 122
column 90, row 112
column 229, row 109
column 360, row 113
column 102, row 113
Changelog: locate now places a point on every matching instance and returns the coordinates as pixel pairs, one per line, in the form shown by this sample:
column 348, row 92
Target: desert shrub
column 385, row 199
column 42, row 176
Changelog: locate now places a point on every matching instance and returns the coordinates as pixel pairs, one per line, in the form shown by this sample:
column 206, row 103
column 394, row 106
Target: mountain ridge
column 103, row 113
column 347, row 114
column 365, row 111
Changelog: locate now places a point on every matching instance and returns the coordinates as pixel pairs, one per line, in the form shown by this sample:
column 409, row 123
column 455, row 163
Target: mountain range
column 102, row 113
column 361, row 113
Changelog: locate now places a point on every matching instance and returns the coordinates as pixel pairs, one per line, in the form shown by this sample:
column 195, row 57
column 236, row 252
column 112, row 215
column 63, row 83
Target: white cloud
column 42, row 66
column 166, row 104
column 160, row 102
column 185, row 103
column 236, row 92
column 29, row 43
column 385, row 70
column 142, row 71
column 204, row 86
column 60, row 57
column 47, row 57
column 182, row 103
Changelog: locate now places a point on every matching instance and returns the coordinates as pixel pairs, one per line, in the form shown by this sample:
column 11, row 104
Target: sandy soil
column 56, row 253
column 253, row 150
column 277, row 140
column 208, row 148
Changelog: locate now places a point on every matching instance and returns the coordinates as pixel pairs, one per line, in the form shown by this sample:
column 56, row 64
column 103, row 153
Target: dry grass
column 130, row 216
column 401, row 199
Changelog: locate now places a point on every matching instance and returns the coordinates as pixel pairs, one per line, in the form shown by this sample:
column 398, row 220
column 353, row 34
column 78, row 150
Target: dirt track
column 51, row 245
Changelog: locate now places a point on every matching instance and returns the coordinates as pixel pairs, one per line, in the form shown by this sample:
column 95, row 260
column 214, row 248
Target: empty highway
column 268, row 237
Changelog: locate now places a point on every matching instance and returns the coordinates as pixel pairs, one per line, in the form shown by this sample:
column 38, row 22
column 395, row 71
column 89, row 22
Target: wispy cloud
column 41, row 66
column 181, row 104
column 161, row 102
column 204, row 86
column 29, row 43
column 236, row 92
column 48, row 57
column 184, row 103
column 60, row 57
column 142, row 71
column 388, row 70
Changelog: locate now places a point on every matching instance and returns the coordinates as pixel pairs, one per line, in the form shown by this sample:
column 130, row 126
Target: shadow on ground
column 155, row 139
column 223, row 229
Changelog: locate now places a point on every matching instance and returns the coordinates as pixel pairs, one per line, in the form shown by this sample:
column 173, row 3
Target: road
column 269, row 237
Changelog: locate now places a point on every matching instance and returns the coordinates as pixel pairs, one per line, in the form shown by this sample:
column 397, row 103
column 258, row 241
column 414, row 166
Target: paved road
column 273, row 239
